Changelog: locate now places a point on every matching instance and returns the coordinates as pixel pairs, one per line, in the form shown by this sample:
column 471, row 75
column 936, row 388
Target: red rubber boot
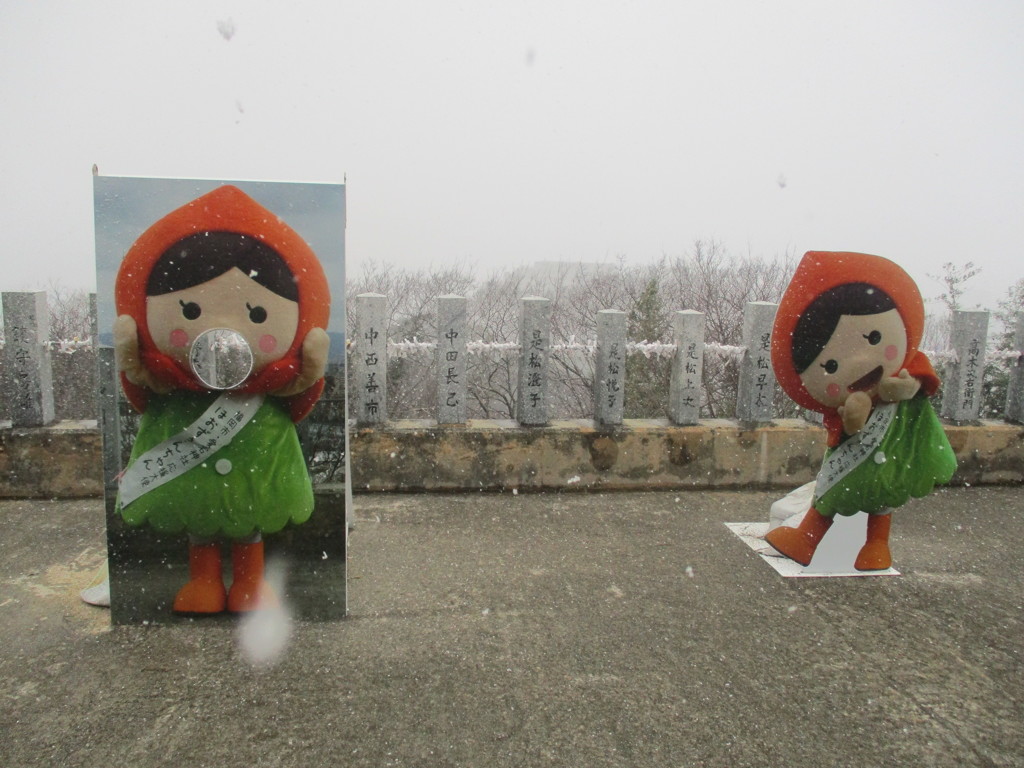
column 875, row 555
column 799, row 543
column 204, row 592
column 249, row 590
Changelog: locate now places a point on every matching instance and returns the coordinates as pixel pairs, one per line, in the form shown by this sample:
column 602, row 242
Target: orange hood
column 821, row 271
column 225, row 209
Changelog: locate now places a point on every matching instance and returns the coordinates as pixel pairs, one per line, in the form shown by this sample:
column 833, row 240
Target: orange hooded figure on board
column 845, row 344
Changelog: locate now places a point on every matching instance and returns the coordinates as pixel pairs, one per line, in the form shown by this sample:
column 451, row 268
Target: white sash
column 851, row 454
column 175, row 456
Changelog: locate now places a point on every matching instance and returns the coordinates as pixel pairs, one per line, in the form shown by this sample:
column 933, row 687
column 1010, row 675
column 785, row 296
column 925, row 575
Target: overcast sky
column 500, row 133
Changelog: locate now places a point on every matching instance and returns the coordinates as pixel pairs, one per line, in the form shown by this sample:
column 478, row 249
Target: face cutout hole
column 221, row 358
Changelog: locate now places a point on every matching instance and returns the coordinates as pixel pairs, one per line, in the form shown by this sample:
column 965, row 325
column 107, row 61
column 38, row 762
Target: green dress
column 914, row 456
column 256, row 483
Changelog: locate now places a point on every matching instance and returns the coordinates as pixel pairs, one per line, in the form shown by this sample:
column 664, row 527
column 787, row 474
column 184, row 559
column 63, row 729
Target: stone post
column 109, row 417
column 94, row 339
column 535, row 343
column 687, row 367
column 1015, row 388
column 961, row 393
column 370, row 363
column 610, row 367
column 757, row 380
column 451, row 359
column 28, row 383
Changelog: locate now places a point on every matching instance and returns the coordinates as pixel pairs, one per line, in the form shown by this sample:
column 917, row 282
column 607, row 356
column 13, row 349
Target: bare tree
column 713, row 281
column 494, row 309
column 954, row 278
column 1001, row 357
column 707, row 279
column 72, row 358
column 411, row 316
column 69, row 311
column 73, row 361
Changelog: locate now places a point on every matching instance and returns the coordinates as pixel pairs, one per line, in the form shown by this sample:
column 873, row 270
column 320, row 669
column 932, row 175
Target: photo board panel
column 151, row 557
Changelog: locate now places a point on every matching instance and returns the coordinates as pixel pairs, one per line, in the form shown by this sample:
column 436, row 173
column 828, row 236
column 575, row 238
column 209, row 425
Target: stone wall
column 64, row 460
column 641, row 454
column 60, row 461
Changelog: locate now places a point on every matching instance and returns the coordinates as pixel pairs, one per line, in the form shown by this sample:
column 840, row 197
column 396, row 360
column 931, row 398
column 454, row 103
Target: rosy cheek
column 832, row 390
column 891, row 352
column 268, row 343
column 179, row 338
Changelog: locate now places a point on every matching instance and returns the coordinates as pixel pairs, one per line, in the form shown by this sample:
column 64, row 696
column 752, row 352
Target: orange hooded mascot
column 221, row 344
column 845, row 344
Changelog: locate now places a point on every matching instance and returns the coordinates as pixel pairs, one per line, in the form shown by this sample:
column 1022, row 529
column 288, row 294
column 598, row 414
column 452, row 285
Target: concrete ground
column 626, row 629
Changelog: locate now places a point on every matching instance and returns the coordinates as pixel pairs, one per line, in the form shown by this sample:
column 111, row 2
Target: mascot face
column 267, row 322
column 222, row 304
column 860, row 352
column 846, row 321
column 223, row 293
column 225, row 326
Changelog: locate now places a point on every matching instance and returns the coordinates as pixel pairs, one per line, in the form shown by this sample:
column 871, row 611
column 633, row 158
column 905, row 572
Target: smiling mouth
column 867, row 381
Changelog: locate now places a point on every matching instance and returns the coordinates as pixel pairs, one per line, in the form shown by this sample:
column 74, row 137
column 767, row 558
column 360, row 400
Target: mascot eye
column 830, row 366
column 256, row 314
column 874, row 337
column 191, row 310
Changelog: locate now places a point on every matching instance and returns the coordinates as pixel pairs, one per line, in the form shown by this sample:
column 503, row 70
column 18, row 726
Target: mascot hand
column 126, row 355
column 903, row 386
column 855, row 412
column 314, row 362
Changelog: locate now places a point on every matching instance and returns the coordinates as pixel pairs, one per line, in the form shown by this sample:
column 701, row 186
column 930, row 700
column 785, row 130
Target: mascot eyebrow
column 203, row 256
column 821, row 318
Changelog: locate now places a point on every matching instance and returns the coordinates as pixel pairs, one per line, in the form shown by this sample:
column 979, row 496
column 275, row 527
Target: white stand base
column 835, row 554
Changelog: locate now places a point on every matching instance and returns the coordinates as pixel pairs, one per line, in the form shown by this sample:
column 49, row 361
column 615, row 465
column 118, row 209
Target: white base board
column 835, row 554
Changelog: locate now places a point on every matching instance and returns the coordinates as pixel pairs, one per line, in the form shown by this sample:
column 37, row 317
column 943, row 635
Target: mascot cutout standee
column 845, row 344
column 220, row 344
